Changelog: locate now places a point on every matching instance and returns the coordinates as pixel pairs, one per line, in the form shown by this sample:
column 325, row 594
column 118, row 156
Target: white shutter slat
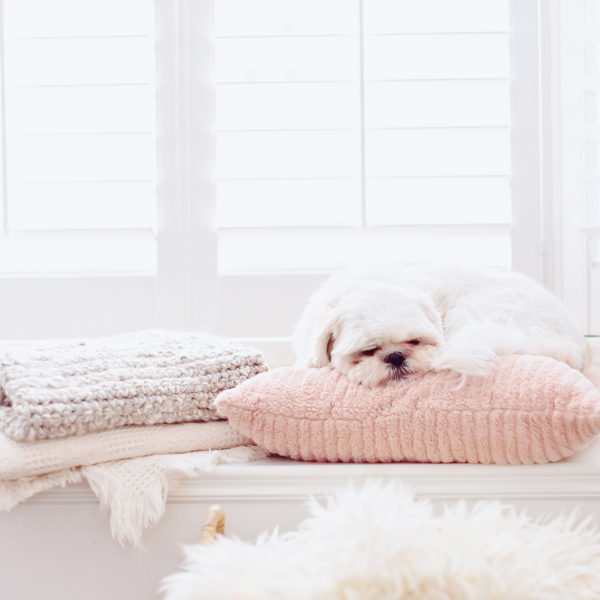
column 79, row 61
column 281, row 106
column 277, row 250
column 435, row 56
column 80, row 157
column 424, row 152
column 287, row 154
column 442, row 200
column 284, row 17
column 82, row 205
column 278, row 203
column 437, row 103
column 82, row 109
column 77, row 252
column 408, row 16
column 29, row 18
column 285, row 59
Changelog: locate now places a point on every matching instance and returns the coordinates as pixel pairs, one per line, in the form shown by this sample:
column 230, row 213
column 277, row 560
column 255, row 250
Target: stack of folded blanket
column 73, row 410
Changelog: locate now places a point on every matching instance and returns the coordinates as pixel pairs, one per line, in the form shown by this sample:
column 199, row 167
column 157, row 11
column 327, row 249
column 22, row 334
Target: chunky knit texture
column 57, row 389
column 529, row 409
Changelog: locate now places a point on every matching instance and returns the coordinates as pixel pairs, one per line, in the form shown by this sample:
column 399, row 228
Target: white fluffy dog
column 380, row 326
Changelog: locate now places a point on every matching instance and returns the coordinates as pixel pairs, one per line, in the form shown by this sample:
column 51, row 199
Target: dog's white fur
column 436, row 318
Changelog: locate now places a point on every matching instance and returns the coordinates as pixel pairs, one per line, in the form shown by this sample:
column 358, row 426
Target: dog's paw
column 465, row 360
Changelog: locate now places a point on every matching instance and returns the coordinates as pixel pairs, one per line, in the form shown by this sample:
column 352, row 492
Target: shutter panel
column 79, row 134
column 350, row 130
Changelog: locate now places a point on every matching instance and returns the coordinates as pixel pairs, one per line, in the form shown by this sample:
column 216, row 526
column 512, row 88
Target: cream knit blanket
column 59, row 389
column 28, row 459
column 132, row 491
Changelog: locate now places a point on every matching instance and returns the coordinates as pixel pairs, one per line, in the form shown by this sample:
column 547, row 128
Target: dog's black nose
column 395, row 359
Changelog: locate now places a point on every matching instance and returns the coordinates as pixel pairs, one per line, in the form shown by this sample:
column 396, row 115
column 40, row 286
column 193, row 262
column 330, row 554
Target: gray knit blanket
column 57, row 389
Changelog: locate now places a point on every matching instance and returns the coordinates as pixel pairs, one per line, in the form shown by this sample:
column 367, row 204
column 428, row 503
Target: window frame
column 186, row 289
column 189, row 293
column 568, row 268
column 526, row 143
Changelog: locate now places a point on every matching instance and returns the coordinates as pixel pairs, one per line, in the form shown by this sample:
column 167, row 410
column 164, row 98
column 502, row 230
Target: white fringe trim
column 15, row 491
column 132, row 492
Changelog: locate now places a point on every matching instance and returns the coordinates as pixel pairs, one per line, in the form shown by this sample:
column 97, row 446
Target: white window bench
column 58, row 546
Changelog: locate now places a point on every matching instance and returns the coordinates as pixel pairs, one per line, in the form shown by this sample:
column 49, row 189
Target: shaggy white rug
column 379, row 543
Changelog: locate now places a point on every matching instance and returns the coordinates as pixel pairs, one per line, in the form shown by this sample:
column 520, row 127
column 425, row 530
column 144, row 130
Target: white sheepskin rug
column 380, row 543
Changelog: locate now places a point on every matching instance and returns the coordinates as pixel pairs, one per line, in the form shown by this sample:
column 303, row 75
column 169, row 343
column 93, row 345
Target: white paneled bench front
column 58, row 546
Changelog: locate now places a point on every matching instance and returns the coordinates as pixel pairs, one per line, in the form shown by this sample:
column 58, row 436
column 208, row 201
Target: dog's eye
column 414, row 342
column 370, row 351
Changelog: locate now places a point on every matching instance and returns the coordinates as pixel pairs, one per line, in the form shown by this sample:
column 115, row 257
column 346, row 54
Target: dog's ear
column 322, row 338
column 315, row 334
column 320, row 347
column 433, row 314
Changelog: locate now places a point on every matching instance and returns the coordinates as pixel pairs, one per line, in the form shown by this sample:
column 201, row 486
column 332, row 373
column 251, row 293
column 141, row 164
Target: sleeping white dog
column 379, row 326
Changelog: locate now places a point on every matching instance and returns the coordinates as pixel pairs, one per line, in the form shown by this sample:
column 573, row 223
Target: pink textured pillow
column 530, row 409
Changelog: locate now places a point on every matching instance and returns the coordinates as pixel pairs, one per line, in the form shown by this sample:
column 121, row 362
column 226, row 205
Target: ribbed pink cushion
column 530, row 409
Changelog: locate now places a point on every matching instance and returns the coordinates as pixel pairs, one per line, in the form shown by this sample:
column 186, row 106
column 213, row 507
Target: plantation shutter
column 79, row 149
column 357, row 130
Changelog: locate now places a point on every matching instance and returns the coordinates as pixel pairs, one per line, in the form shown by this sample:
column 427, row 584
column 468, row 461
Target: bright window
column 79, row 136
column 166, row 164
column 351, row 130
